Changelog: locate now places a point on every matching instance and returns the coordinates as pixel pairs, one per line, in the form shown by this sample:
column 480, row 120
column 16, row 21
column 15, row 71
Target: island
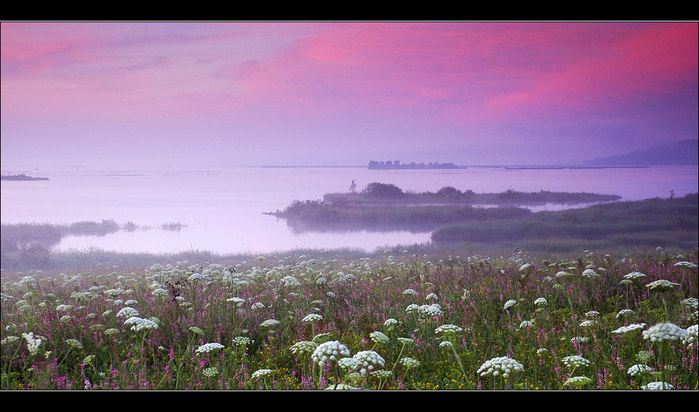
column 373, row 164
column 22, row 177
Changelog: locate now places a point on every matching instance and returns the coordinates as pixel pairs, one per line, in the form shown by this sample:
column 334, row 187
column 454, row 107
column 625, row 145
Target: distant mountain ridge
column 683, row 152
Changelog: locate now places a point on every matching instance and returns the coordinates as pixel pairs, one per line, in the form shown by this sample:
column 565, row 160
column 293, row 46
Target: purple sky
column 188, row 95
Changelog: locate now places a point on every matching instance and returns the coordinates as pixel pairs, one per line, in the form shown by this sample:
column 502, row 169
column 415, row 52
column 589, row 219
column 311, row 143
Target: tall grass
column 390, row 321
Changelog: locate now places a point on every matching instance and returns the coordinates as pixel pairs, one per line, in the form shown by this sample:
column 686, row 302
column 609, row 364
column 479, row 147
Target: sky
column 185, row 94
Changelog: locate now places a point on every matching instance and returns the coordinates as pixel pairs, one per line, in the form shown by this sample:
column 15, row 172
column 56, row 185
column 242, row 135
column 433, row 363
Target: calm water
column 222, row 208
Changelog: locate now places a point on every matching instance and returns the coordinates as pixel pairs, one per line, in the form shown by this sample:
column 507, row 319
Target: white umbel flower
column 329, row 351
column 208, row 347
column 665, row 331
column 500, row 366
column 575, row 361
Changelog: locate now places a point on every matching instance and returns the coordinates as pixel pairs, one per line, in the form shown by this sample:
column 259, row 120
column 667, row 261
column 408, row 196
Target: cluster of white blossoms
column 211, row 371
column 313, row 317
column 590, row 274
column 379, row 337
column 510, row 303
column 303, row 347
column 208, row 347
column 390, row 322
column 448, row 329
column 138, row 324
column 665, row 331
column 577, row 381
column 368, row 360
column 638, row 369
column 564, row 274
column 625, row 313
column 425, row 310
column 575, row 361
column 242, row 340
column 692, row 335
column 629, row 328
column 634, row 275
column 412, row 292
column 74, row 343
column 127, row 312
column 685, row 265
column 662, row 285
column 290, row 281
column 329, row 351
column 269, row 323
column 540, row 302
column 409, row 362
column 657, row 386
column 500, row 365
column 32, row 342
column 261, row 373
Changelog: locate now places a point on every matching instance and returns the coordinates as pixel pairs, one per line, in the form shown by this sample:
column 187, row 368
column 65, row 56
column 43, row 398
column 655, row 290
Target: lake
column 222, row 208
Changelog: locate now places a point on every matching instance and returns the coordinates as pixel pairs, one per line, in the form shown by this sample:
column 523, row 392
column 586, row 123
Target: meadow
column 390, row 321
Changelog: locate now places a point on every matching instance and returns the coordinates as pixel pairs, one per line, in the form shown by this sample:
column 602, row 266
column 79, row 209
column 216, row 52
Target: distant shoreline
column 22, row 177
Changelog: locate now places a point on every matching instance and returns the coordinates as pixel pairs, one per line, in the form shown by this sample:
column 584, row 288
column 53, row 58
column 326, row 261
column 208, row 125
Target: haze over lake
column 222, row 208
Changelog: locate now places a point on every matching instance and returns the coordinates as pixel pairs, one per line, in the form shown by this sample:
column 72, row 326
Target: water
column 222, row 209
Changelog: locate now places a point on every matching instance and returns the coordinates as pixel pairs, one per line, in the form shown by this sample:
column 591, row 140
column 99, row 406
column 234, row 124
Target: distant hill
column 683, row 152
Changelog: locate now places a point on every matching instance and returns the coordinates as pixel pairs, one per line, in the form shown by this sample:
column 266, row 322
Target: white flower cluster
column 500, row 365
column 329, row 351
column 196, row 330
column 448, row 329
column 577, row 381
column 242, row 340
column 74, row 343
column 662, row 284
column 303, row 347
column 564, row 274
column 692, row 335
column 629, row 328
column 127, row 312
column 368, row 361
column 211, row 371
column 390, row 322
column 139, row 324
column 510, row 303
column 313, row 317
column 638, row 369
column 261, row 373
column 634, row 275
column 657, row 386
column 269, row 323
column 625, row 312
column 290, row 281
column 664, row 331
column 540, row 301
column 208, row 347
column 340, row 387
column 429, row 310
column 409, row 362
column 686, row 265
column 590, row 274
column 32, row 342
column 410, row 292
column 379, row 337
column 575, row 361
column 526, row 324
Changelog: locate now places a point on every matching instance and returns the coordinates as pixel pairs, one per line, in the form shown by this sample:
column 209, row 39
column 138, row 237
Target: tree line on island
column 396, row 164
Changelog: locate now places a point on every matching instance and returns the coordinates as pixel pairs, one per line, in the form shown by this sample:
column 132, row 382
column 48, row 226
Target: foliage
column 392, row 321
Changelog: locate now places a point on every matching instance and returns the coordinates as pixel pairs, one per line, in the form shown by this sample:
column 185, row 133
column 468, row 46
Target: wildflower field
column 388, row 322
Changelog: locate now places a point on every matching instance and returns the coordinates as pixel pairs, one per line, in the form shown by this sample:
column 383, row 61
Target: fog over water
column 222, row 208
